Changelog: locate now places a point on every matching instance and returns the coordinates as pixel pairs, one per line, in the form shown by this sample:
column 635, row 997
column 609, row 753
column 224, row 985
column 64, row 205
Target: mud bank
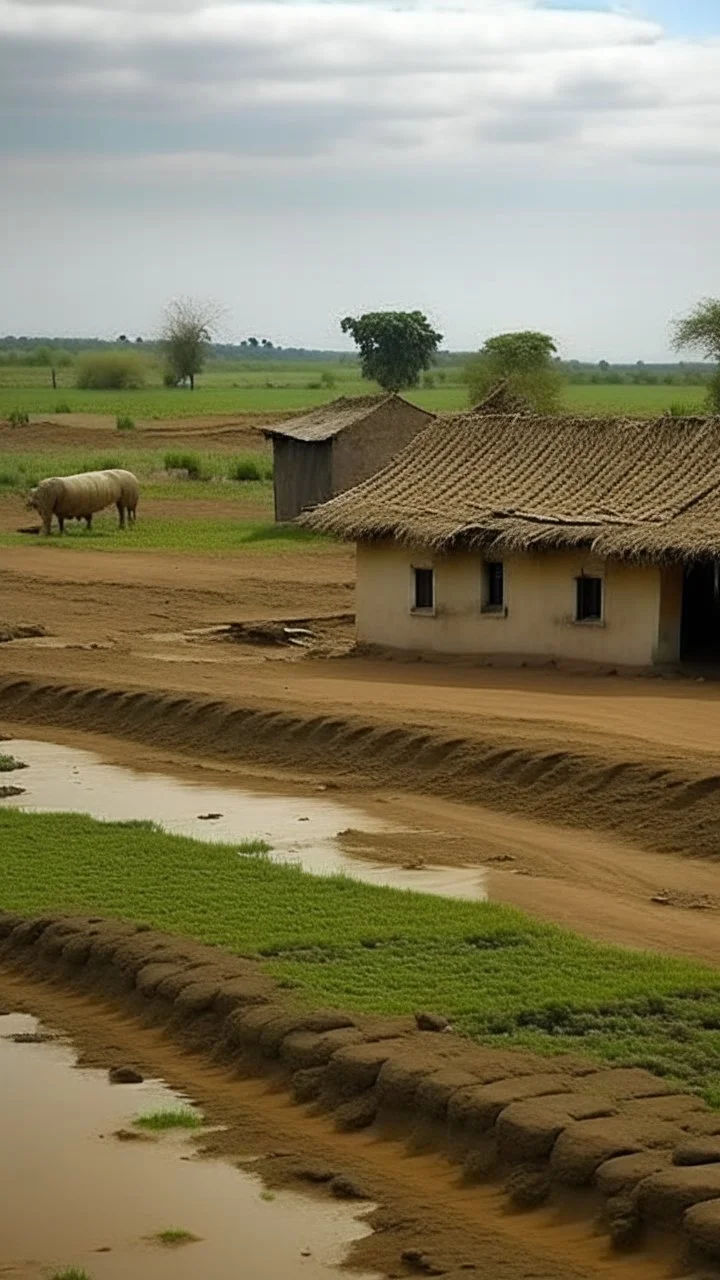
column 636, row 1154
column 672, row 808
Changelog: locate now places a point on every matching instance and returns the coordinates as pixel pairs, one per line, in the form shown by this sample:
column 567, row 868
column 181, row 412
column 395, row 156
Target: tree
column 524, row 361
column 395, row 346
column 186, row 335
column 700, row 331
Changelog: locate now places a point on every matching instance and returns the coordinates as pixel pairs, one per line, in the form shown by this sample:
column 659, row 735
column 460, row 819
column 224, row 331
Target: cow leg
column 88, row 521
column 121, row 514
column 47, row 525
column 61, row 523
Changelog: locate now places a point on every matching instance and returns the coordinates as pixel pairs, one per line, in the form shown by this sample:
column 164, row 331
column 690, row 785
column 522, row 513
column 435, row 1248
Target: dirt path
column 588, row 783
column 465, row 1229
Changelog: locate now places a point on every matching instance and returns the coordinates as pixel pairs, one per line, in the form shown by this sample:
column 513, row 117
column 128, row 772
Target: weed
column 191, row 463
column 267, row 1195
column 8, row 764
column 63, row 407
column 18, row 417
column 160, row 1121
column 70, row 1273
column 124, row 422
column 174, row 1236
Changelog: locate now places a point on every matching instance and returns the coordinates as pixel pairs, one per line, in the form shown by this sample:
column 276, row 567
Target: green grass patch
column 498, row 975
column 162, row 1121
column 173, row 1237
column 193, row 537
column 70, row 1273
column 250, row 467
column 124, row 422
column 8, row 764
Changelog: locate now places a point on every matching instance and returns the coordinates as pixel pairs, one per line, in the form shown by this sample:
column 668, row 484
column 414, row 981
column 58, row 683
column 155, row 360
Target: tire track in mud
column 674, row 809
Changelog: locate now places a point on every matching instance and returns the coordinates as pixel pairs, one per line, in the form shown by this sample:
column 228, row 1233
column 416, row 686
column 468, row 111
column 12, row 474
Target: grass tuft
column 161, row 1121
column 174, row 1236
column 190, row 463
column 250, row 467
column 124, row 422
column 70, row 1273
column 8, row 764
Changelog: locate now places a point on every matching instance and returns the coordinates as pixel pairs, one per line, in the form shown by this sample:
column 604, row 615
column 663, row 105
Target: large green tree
column 395, row 346
column 525, row 362
column 186, row 335
column 700, row 331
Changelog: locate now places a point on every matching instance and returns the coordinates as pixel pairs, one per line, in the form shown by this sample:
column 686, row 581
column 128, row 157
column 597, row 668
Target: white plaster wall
column 540, row 602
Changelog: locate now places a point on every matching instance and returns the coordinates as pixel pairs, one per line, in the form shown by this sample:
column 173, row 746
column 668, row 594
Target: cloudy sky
column 497, row 163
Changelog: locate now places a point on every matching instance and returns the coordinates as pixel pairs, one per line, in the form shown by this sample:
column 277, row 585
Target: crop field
column 497, row 974
column 287, row 388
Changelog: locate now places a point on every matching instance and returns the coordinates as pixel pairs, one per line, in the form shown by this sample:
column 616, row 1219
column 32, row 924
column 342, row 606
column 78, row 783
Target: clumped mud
column 542, row 1128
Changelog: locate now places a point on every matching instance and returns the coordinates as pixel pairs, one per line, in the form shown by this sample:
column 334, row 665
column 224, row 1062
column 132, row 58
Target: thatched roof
column 502, row 400
column 330, row 419
column 649, row 490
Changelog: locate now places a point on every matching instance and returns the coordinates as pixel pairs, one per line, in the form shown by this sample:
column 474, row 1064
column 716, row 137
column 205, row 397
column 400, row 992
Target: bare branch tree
column 186, row 334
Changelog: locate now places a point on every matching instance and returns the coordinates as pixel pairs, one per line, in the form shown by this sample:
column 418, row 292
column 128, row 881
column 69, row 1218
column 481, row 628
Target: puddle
column 67, row 1192
column 298, row 828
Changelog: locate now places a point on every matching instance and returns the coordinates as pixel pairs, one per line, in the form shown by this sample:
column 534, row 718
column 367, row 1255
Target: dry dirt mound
column 539, row 1126
column 674, row 808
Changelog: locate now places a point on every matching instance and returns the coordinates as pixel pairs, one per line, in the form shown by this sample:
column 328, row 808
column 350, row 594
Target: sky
column 498, row 164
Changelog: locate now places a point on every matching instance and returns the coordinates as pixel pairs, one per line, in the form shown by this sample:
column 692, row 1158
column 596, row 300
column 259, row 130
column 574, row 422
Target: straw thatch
column 330, row 419
column 502, row 400
column 645, row 490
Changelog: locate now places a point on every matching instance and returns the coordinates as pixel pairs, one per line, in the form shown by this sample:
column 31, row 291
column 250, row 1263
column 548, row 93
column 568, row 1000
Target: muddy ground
column 605, row 785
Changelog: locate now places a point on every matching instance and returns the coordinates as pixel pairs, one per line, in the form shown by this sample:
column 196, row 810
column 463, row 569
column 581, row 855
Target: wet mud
column 633, row 1156
column 74, row 1195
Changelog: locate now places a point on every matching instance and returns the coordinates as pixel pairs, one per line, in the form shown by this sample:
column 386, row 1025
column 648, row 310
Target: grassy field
column 497, row 974
column 157, row 469
column 285, row 389
column 221, row 537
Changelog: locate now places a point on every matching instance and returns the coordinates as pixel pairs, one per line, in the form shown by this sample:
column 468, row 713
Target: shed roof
column 330, row 419
column 503, row 400
column 648, row 489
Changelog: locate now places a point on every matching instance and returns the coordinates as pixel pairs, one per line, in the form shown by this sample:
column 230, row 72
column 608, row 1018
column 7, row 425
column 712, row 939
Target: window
column 423, row 589
column 589, row 599
column 494, row 585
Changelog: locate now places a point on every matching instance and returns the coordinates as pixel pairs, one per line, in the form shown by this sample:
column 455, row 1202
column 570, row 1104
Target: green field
column 286, row 388
column 177, row 536
column 157, row 469
column 497, row 974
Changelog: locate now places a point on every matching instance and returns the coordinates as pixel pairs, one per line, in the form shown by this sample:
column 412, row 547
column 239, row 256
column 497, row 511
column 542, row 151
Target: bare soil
column 425, row 1204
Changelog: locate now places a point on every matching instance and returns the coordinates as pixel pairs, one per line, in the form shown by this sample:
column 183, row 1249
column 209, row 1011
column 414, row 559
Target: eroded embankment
column 673, row 807
column 644, row 1153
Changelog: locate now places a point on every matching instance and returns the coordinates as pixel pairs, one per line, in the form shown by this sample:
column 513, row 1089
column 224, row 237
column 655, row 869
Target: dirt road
column 595, row 784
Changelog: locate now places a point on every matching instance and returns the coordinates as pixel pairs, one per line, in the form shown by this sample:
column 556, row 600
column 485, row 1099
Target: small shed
column 338, row 445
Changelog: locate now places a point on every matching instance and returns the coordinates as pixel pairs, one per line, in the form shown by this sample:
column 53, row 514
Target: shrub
column 110, row 371
column 18, row 418
column 251, row 467
column 189, row 462
column 63, row 407
column 124, row 422
column 680, row 410
column 328, row 379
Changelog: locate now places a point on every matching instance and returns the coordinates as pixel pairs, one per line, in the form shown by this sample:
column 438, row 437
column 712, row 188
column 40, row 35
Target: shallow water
column 298, row 828
column 69, row 1188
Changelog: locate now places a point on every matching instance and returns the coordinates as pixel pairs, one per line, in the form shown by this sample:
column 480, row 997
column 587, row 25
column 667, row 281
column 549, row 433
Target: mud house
column 336, row 446
column 519, row 537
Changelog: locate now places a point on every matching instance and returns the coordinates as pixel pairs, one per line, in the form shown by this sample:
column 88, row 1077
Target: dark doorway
column 700, row 634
